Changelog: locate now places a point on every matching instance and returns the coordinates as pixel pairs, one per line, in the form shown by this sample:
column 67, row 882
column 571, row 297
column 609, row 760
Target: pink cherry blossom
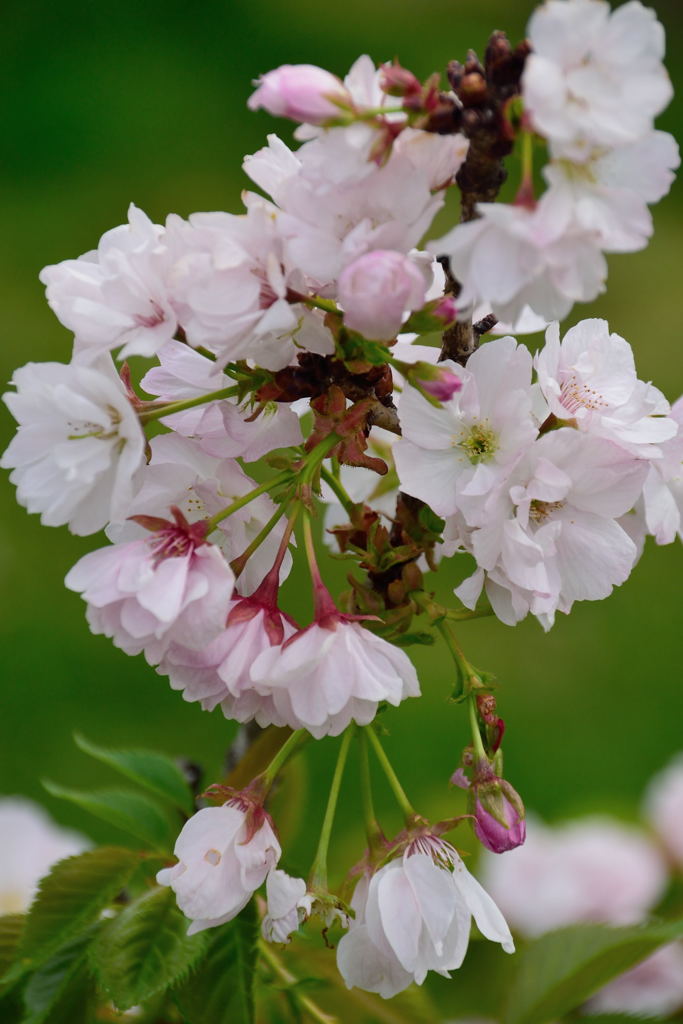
column 332, row 673
column 590, row 378
column 664, row 808
column 220, row 673
column 171, row 586
column 222, row 860
column 181, row 473
column 653, row 988
column 593, row 869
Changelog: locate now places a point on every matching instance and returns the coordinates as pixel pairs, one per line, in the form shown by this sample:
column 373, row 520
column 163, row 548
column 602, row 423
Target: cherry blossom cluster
column 295, row 371
column 551, row 484
column 591, row 87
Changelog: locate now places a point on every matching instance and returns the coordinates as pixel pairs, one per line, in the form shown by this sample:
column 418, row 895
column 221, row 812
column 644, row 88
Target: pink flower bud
column 495, row 805
column 376, row 291
column 499, row 817
column 436, row 381
column 398, row 81
column 302, row 92
column 434, row 316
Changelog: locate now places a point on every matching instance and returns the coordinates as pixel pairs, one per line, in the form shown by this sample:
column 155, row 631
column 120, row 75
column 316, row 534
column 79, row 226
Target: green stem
column 476, row 734
column 275, row 481
column 314, row 459
column 289, row 979
column 396, row 787
column 189, row 403
column 319, row 869
column 372, row 828
column 341, row 493
column 237, row 565
column 284, row 753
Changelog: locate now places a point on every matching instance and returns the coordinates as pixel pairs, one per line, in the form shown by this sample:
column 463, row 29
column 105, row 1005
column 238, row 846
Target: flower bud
column 377, row 289
column 499, row 816
column 302, row 92
column 436, row 381
column 398, row 81
column 495, row 805
column 434, row 316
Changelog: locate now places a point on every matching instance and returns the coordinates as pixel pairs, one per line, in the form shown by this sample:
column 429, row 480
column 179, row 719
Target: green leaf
column 11, row 928
column 69, row 899
column 624, row 1018
column 561, row 970
column 145, row 949
column 61, row 991
column 156, row 772
column 221, row 990
column 134, row 813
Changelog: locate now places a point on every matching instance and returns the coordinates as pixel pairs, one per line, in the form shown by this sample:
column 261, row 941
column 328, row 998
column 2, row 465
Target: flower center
column 152, row 319
column 84, row 428
column 479, row 442
column 574, row 395
column 539, row 511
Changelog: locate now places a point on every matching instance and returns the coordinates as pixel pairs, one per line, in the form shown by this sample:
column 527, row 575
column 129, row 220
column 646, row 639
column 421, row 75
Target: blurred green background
column 145, row 101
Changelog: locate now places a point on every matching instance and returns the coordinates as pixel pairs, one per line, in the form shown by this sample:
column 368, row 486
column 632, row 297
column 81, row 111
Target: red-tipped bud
column 398, row 81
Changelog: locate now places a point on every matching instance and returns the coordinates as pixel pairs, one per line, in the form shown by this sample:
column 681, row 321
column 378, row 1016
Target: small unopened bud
column 398, row 81
column 434, row 316
column 302, row 92
column 495, row 805
column 498, row 816
column 437, row 381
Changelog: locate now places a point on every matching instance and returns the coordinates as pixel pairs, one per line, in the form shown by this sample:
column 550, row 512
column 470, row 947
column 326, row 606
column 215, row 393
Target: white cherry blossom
column 595, row 76
column 453, row 456
column 552, row 536
column 79, row 447
column 590, row 378
column 223, row 428
column 230, row 287
column 116, row 295
column 513, row 257
column 414, row 916
column 223, row 857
